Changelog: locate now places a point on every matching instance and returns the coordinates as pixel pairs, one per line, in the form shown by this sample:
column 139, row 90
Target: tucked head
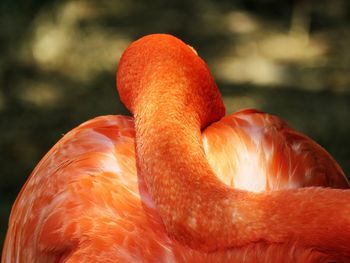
column 165, row 63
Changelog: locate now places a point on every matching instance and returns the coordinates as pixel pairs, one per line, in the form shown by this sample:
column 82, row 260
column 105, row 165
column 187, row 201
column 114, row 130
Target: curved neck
column 188, row 195
column 199, row 210
column 172, row 95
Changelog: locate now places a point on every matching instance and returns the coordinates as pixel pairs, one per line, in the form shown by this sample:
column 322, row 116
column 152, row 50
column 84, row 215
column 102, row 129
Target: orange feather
column 94, row 197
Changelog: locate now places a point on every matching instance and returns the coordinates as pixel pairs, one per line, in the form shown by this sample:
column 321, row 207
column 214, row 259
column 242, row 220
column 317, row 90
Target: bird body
column 97, row 209
column 90, row 199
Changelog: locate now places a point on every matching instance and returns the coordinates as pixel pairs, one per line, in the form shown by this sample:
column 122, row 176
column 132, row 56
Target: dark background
column 58, row 61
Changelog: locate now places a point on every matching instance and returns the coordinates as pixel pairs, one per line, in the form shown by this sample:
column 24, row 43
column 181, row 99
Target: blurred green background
column 58, row 61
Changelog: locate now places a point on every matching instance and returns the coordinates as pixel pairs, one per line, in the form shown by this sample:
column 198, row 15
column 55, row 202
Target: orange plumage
column 90, row 200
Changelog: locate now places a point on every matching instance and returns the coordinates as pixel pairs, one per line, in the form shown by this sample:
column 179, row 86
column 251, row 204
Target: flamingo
column 180, row 182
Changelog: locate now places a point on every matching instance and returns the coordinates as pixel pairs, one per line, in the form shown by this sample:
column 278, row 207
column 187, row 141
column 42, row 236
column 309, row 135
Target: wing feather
column 256, row 151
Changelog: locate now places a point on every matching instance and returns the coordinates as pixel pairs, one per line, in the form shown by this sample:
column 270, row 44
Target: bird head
column 164, row 66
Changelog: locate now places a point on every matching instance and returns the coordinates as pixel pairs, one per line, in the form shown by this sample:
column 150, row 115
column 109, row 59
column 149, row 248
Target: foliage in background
column 58, row 61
